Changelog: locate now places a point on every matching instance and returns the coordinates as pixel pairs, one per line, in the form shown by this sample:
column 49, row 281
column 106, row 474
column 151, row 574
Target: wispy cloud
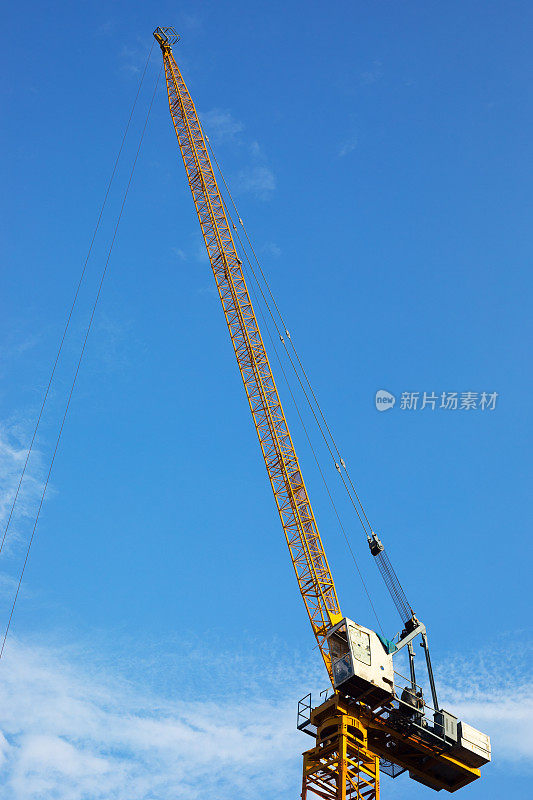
column 16, row 344
column 347, row 145
column 69, row 732
column 271, row 249
column 256, row 150
column 106, row 28
column 15, row 435
column 192, row 249
column 190, row 21
column 14, row 438
column 221, row 125
column 133, row 55
column 180, row 253
column 72, row 727
column 257, row 179
column 494, row 693
column 115, row 340
column 255, row 175
column 8, row 588
column 131, row 61
column 372, row 74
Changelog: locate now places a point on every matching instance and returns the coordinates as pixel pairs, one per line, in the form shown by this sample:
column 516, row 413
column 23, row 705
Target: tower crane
column 367, row 725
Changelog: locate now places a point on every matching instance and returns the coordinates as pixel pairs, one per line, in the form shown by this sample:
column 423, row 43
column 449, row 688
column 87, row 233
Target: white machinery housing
column 473, row 747
column 362, row 669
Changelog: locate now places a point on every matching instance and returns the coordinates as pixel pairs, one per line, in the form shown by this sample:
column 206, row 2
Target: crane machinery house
column 375, row 720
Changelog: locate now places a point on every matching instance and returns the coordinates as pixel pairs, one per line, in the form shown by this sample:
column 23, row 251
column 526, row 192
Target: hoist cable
column 282, row 338
column 282, row 320
column 300, row 417
column 298, row 376
column 67, row 325
column 110, row 249
column 389, row 575
column 296, row 405
column 393, row 585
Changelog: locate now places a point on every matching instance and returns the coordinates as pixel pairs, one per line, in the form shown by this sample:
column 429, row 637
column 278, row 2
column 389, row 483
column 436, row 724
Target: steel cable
column 73, row 305
column 104, row 271
column 340, row 463
column 295, row 402
column 394, row 586
column 300, row 417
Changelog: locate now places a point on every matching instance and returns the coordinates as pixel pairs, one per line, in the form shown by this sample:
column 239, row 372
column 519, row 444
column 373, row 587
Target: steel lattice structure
column 301, row 532
column 340, row 766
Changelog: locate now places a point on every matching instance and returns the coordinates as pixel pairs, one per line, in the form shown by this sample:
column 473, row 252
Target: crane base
column 351, row 739
column 340, row 766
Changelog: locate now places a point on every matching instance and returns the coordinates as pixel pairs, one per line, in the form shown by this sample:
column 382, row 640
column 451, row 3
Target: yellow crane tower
column 364, row 726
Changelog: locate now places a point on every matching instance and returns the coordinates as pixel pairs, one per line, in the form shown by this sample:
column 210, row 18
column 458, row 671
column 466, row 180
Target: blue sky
column 380, row 156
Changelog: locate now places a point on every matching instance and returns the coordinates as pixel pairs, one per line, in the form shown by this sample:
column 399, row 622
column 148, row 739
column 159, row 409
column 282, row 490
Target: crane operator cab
column 362, row 669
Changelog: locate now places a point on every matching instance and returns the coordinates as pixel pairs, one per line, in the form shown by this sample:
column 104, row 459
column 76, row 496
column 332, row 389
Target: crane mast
column 296, row 514
column 364, row 726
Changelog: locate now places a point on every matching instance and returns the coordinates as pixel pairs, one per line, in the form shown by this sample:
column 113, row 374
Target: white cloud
column 272, row 249
column 15, row 345
column 507, row 719
column 493, row 693
column 208, row 289
column 114, row 338
column 73, row 728
column 255, row 175
column 372, row 74
column 193, row 249
column 130, row 60
column 255, row 149
column 347, row 146
column 12, row 458
column 8, row 586
column 14, row 436
column 106, row 28
column 200, row 252
column 132, row 56
column 257, row 179
column 69, row 732
column 191, row 22
column 220, row 124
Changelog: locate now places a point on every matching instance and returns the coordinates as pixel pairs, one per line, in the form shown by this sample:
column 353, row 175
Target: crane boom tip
column 166, row 36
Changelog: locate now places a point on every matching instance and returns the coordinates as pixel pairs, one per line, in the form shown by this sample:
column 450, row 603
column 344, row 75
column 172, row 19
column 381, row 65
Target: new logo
column 384, row 400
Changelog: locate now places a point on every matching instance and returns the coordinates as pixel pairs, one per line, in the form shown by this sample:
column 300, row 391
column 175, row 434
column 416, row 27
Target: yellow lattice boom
column 301, row 532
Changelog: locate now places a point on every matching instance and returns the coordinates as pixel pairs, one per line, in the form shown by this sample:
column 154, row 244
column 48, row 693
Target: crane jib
column 301, row 532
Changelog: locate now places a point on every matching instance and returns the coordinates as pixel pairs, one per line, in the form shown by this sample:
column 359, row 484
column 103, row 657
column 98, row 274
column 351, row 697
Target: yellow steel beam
column 299, row 525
